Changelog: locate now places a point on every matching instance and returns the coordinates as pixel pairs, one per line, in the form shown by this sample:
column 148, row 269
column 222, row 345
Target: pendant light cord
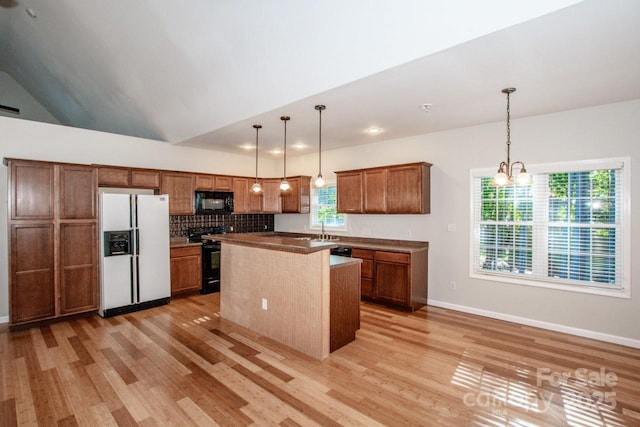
column 320, row 144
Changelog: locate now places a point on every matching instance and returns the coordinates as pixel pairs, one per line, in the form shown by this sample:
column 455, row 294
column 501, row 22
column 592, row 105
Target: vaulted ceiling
column 200, row 73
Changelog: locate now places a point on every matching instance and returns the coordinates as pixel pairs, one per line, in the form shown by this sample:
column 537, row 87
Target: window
column 569, row 230
column 323, row 208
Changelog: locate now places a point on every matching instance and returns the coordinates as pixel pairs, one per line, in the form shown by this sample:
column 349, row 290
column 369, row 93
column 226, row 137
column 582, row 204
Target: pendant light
column 320, row 180
column 504, row 176
column 256, row 187
column 284, row 184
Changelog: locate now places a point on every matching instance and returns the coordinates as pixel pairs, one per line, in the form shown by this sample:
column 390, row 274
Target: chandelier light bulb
column 319, row 181
column 284, row 185
column 256, row 187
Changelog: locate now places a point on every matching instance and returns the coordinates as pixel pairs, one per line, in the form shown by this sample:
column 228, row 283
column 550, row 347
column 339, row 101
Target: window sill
column 583, row 289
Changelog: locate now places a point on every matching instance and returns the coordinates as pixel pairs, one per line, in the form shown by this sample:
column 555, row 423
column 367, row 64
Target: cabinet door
column 256, row 200
column 186, row 270
column 32, row 272
column 291, row 197
column 240, row 195
column 366, row 271
column 179, row 187
column 223, row 183
column 145, row 179
column 392, row 282
column 297, row 198
column 205, row 182
column 272, row 202
column 32, row 190
column 78, row 188
column 375, row 190
column 405, row 190
column 113, row 177
column 78, row 268
column 349, row 189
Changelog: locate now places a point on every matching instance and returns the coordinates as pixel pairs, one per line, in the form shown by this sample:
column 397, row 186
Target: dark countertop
column 276, row 242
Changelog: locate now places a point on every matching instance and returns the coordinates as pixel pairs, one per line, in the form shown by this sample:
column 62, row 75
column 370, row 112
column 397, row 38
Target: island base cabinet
column 344, row 303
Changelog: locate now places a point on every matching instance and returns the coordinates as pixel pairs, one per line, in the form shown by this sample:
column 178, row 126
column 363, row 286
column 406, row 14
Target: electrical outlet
column 264, row 303
column 452, row 285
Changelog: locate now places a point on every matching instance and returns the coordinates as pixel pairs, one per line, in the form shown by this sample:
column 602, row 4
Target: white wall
column 599, row 132
column 25, row 139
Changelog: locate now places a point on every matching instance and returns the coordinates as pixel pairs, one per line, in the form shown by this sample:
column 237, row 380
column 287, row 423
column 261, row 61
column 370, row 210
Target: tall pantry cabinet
column 53, row 259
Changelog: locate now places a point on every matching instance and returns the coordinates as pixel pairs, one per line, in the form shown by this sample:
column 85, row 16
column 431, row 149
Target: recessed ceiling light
column 374, row 131
column 247, row 146
column 426, row 107
column 275, row 151
column 299, row 146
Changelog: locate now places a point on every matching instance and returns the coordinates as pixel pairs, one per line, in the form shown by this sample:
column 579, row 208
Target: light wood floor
column 182, row 365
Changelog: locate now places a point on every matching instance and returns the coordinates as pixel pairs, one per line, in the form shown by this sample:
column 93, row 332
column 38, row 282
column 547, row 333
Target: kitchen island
column 290, row 290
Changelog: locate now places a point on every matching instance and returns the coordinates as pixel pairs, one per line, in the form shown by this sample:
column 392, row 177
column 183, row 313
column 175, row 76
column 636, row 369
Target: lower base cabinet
column 397, row 279
column 186, row 269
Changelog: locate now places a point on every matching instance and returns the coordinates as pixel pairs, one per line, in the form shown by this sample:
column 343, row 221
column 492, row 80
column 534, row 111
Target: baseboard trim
column 4, row 319
column 539, row 324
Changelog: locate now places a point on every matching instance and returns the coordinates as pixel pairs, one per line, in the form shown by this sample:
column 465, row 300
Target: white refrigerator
column 134, row 242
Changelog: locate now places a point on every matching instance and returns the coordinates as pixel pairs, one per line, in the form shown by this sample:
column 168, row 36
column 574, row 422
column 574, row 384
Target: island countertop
column 276, row 243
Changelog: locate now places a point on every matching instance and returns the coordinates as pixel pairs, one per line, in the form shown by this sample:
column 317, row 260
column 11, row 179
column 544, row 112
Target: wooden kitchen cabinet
column 349, row 190
column 180, row 188
column 186, row 269
column 298, row 198
column 241, row 195
column 397, row 189
column 408, row 189
column 366, row 271
column 77, row 192
column 271, row 200
column 31, row 191
column 109, row 176
column 145, row 178
column 205, row 182
column 375, row 190
column 392, row 277
column 32, row 274
column 223, row 183
column 53, row 250
column 78, row 267
column 398, row 279
column 114, row 177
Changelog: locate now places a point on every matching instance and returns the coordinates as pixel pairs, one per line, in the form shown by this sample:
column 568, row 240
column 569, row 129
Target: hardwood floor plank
column 8, row 413
column 119, row 366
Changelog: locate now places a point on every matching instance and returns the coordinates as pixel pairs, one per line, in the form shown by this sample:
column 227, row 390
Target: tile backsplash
column 234, row 223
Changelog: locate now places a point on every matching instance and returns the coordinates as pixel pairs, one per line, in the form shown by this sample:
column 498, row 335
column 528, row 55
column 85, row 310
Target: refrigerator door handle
column 137, row 280
column 131, row 280
column 137, row 242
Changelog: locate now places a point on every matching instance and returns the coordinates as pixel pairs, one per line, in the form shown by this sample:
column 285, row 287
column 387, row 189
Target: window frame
column 623, row 163
column 318, row 227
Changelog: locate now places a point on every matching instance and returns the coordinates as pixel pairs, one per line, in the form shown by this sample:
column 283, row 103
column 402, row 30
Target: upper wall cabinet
column 32, row 190
column 77, row 190
column 397, row 189
column 109, row 176
column 349, row 189
column 180, row 188
column 297, row 199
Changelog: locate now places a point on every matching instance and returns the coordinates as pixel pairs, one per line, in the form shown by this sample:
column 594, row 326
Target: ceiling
column 201, row 73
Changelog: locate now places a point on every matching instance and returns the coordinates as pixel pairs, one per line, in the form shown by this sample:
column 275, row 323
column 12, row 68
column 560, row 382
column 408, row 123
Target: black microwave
column 213, row 202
